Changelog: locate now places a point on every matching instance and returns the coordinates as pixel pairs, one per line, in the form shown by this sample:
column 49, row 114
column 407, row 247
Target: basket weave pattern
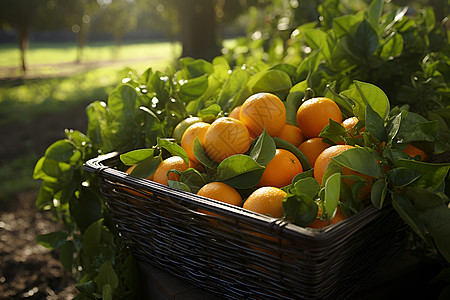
column 237, row 254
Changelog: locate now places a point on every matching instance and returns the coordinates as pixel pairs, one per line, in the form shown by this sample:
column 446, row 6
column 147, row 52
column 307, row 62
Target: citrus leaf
column 264, row 149
column 332, row 194
column 66, row 255
column 378, row 193
column 201, row 155
column 107, row 275
column 52, row 240
column 173, row 148
column 359, row 160
column 136, row 156
column 300, row 208
column 306, row 186
column 401, row 177
column 409, row 214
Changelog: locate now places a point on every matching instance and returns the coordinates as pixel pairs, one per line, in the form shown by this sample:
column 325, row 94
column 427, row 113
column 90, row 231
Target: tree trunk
column 198, row 28
column 24, row 43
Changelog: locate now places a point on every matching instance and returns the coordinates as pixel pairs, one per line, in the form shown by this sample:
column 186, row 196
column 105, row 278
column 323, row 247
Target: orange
column 291, row 134
column 324, row 159
column 413, row 151
column 338, row 217
column 225, row 137
column 267, row 201
column 236, row 112
column 314, row 114
column 280, row 171
column 263, row 110
column 349, row 125
column 221, row 192
column 192, row 132
column 171, row 163
column 312, row 147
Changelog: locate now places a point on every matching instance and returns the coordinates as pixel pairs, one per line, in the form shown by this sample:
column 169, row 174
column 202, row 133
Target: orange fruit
column 312, row 147
column 235, row 112
column 171, row 163
column 266, row 200
column 324, row 159
column 221, row 192
column 413, row 151
column 314, row 114
column 280, row 171
column 225, row 137
column 338, row 217
column 192, row 132
column 349, row 125
column 263, row 110
column 291, row 134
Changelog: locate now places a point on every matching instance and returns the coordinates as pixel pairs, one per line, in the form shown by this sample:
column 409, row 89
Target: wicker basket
column 237, row 254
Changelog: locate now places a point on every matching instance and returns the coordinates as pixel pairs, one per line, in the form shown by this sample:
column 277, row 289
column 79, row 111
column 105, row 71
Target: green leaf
column 45, row 196
column 271, row 81
column 375, row 124
column 173, row 148
column 409, row 127
column 432, row 174
column 228, row 95
column 378, row 193
column 86, row 209
column 236, row 165
column 93, row 234
column 107, row 292
column 61, row 151
column 122, row 102
column 87, row 288
column 210, row 112
column 293, row 102
column 333, row 131
column 301, row 208
column 193, row 179
column 106, row 275
column 136, row 156
column 400, row 177
column 332, row 194
column 52, row 240
column 392, row 47
column 193, row 88
column 360, row 160
column 307, row 186
column 201, row 155
column 264, row 149
column 424, row 198
column 374, row 96
column 179, row 185
column 365, row 41
column 66, row 255
column 409, row 214
column 147, row 167
column 196, row 67
column 97, row 122
column 374, row 13
column 437, row 221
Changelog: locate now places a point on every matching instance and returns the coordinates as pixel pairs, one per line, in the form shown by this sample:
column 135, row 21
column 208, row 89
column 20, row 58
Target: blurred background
column 58, row 56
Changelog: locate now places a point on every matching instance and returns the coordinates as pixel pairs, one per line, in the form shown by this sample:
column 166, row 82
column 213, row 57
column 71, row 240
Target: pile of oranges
column 235, row 133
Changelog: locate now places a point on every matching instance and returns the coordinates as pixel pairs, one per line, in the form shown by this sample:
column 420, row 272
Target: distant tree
column 117, row 18
column 23, row 15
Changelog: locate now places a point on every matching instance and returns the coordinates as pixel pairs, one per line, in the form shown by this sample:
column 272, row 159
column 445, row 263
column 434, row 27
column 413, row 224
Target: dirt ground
column 27, row 269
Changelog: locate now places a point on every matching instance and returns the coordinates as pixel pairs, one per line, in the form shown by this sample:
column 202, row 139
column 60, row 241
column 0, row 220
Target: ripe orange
column 267, row 201
column 312, row 147
column 171, row 163
column 221, row 192
column 349, row 125
column 314, row 114
column 338, row 217
column 236, row 112
column 291, row 134
column 263, row 110
column 192, row 132
column 281, row 169
column 324, row 159
column 225, row 137
column 413, row 151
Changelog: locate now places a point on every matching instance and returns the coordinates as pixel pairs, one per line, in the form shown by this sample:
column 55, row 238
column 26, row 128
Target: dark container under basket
column 237, row 254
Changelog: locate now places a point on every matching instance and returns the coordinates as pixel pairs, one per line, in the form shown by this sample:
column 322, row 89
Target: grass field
column 53, row 85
